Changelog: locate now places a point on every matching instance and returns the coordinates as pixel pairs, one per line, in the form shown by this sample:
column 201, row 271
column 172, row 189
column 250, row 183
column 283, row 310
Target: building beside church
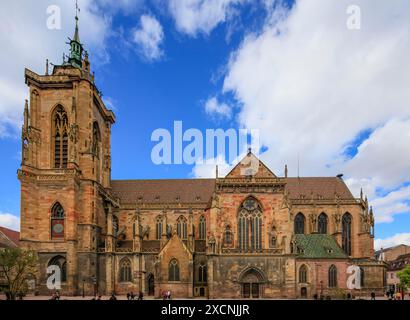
column 397, row 258
column 250, row 234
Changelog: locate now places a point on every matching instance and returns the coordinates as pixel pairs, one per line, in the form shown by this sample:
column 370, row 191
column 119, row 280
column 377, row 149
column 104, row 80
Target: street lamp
column 83, row 288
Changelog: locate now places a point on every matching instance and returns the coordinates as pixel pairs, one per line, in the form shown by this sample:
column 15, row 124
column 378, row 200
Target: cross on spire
column 77, row 10
column 76, row 33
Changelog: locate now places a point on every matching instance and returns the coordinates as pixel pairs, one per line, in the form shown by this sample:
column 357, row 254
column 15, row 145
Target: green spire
column 76, row 33
column 76, row 51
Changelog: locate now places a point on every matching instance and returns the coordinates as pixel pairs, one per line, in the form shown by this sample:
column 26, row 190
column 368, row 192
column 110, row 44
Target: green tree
column 17, row 265
column 404, row 276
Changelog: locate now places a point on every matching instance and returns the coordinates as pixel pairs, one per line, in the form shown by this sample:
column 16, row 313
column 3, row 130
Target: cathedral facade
column 250, row 234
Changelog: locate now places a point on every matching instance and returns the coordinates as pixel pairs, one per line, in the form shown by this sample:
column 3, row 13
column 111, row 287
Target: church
column 249, row 234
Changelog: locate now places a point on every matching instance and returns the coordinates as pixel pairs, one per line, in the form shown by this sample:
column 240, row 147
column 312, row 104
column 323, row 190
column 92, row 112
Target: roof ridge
column 171, row 179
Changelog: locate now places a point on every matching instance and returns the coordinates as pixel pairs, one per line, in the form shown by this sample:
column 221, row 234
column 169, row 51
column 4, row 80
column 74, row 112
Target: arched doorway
column 252, row 284
column 151, row 284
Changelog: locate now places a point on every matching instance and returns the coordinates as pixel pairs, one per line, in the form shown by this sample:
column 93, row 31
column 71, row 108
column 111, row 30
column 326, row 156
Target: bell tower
column 65, row 170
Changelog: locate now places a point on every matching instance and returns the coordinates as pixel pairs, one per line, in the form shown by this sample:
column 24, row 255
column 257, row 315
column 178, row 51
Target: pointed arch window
column 303, row 274
column 228, row 236
column 60, row 137
column 202, row 275
column 57, row 222
column 182, row 230
column 299, row 223
column 332, row 276
column 61, row 263
column 347, row 233
column 173, row 270
column 159, row 228
column 125, row 270
column 250, row 225
column 202, row 228
column 322, row 223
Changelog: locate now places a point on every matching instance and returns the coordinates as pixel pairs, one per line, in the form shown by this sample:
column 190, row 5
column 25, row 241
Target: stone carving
column 313, row 222
column 73, row 136
column 337, row 219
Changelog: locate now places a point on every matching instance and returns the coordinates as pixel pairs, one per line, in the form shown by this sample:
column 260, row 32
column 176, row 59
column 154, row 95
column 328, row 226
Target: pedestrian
column 57, row 295
column 128, row 296
column 113, row 297
column 132, row 295
column 373, row 296
column 169, row 295
column 140, row 296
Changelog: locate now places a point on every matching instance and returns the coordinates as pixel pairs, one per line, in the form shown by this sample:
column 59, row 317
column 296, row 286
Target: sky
column 325, row 83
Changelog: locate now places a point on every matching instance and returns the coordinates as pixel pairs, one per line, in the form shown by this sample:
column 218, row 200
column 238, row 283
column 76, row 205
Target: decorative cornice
column 162, row 205
column 319, row 202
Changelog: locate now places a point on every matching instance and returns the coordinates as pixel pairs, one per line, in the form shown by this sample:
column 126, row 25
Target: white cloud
column 10, row 221
column 396, row 202
column 207, row 168
column 384, row 157
column 200, row 16
column 311, row 86
column 218, row 109
column 383, row 161
column 28, row 43
column 399, row 238
column 149, row 37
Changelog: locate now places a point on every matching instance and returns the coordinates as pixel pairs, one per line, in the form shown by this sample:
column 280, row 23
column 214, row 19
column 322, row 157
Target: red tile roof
column 325, row 187
column 200, row 190
column 13, row 236
column 169, row 191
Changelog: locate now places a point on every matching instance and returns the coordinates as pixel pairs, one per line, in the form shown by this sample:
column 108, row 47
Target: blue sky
column 333, row 97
